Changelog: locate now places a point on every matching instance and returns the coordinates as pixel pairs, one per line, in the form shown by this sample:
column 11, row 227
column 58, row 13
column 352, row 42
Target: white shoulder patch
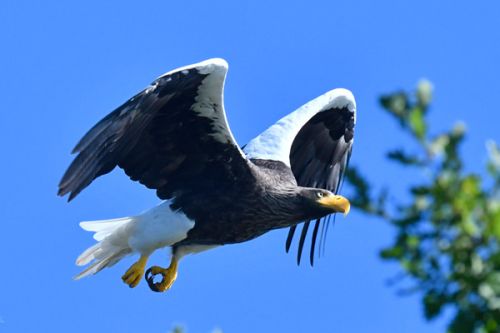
column 275, row 142
column 203, row 67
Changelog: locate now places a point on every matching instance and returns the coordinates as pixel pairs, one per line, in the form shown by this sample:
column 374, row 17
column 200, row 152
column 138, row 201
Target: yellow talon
column 168, row 276
column 134, row 274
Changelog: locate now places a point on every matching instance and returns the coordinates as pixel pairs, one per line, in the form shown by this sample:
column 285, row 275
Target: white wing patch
column 210, row 97
column 275, row 142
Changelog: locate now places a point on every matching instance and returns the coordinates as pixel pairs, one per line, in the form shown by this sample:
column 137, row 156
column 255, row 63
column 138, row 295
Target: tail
column 112, row 236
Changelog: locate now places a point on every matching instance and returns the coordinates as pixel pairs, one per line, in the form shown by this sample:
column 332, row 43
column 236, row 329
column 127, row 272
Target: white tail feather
column 112, row 236
column 144, row 233
column 104, row 228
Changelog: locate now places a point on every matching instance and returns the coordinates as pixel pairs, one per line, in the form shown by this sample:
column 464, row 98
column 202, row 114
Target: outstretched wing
column 172, row 137
column 315, row 141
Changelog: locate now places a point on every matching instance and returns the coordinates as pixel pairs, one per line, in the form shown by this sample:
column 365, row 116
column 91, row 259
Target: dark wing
column 172, row 137
column 316, row 142
column 318, row 158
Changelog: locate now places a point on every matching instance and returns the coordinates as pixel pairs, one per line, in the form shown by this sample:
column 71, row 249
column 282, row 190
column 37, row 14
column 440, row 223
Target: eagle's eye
column 320, row 194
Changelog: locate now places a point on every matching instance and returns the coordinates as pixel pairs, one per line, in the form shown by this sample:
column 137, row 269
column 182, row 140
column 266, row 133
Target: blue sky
column 64, row 65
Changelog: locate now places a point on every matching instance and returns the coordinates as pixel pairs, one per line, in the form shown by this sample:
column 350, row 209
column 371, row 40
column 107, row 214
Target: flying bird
column 173, row 137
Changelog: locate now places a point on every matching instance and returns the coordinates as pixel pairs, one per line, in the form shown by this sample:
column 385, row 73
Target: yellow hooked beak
column 336, row 202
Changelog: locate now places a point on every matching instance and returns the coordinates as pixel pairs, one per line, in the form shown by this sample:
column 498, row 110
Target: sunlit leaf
column 424, row 93
column 417, row 122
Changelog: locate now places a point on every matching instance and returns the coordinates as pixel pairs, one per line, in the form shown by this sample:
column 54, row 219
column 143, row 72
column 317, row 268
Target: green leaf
column 412, row 242
column 437, row 146
column 417, row 122
column 493, row 220
column 490, row 290
column 395, row 252
column 400, row 156
column 420, row 190
column 395, row 103
column 464, row 322
column 433, row 304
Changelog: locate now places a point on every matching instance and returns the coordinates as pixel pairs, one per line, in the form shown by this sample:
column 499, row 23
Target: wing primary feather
column 106, row 122
column 302, row 240
column 343, row 170
column 326, row 229
column 289, row 238
column 313, row 241
column 321, row 236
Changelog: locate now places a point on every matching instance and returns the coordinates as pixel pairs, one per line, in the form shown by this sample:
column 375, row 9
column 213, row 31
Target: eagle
column 174, row 137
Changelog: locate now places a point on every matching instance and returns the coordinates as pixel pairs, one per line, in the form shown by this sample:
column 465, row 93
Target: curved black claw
column 150, row 278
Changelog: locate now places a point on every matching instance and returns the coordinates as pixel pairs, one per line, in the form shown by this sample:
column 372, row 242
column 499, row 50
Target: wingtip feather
column 289, row 238
column 313, row 241
column 302, row 240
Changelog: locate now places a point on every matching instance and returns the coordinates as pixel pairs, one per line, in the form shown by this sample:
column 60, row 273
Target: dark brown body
column 250, row 208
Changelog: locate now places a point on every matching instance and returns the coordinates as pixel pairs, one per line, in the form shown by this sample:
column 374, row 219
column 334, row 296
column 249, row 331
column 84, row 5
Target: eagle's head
column 319, row 202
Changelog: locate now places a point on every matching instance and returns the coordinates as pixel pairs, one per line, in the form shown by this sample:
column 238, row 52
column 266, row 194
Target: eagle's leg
column 168, row 275
column 134, row 274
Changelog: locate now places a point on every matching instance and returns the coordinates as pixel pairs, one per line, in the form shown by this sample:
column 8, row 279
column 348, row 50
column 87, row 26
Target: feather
column 313, row 241
column 289, row 238
column 302, row 240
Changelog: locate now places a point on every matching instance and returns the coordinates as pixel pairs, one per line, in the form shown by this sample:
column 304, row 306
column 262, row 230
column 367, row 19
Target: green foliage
column 180, row 329
column 448, row 232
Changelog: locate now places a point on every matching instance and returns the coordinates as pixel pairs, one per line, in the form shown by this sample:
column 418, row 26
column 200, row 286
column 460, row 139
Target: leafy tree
column 448, row 230
column 180, row 329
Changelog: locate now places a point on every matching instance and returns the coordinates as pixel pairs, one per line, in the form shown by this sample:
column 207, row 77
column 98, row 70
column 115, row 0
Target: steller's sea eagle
column 173, row 137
